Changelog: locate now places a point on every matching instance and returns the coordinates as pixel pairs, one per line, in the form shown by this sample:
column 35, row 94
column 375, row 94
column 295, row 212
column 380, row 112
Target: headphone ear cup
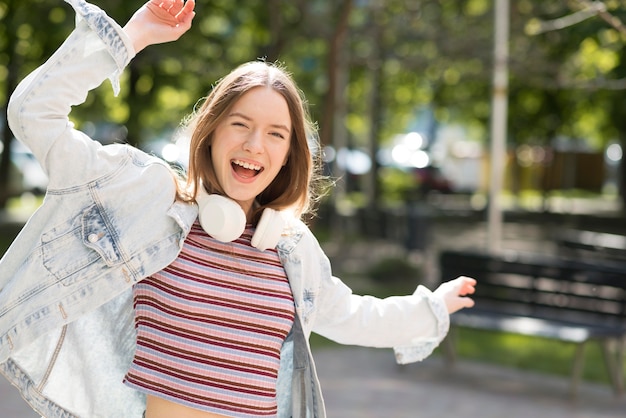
column 220, row 217
column 268, row 230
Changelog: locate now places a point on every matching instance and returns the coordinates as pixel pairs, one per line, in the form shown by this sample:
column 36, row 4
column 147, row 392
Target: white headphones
column 223, row 219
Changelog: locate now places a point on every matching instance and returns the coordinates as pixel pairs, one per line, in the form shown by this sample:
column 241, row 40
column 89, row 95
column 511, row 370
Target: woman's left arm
column 413, row 324
column 353, row 319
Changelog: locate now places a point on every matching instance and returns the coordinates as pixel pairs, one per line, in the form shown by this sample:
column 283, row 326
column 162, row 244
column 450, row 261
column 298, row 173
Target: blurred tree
column 365, row 66
column 565, row 79
column 571, row 79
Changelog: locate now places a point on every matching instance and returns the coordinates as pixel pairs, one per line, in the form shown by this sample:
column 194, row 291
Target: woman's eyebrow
column 279, row 126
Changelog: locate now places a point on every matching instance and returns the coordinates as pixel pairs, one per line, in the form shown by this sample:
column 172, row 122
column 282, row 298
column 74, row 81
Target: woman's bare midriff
column 161, row 408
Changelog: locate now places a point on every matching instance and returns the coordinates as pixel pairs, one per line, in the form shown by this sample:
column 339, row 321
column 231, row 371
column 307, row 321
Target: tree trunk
column 277, row 40
column 621, row 180
column 375, row 112
column 336, row 42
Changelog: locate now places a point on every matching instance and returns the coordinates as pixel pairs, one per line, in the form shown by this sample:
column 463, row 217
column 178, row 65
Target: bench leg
column 614, row 363
column 621, row 352
column 449, row 347
column 577, row 369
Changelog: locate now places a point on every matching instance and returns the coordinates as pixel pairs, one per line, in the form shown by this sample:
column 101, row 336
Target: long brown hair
column 294, row 187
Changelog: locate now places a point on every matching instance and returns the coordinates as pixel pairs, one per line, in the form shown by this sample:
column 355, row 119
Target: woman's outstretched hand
column 454, row 293
column 160, row 21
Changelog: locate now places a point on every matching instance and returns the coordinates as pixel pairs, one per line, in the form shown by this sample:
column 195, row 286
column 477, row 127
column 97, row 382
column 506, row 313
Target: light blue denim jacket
column 109, row 219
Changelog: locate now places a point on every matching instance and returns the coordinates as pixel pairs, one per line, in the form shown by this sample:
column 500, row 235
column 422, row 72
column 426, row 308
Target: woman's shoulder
column 297, row 235
column 296, row 226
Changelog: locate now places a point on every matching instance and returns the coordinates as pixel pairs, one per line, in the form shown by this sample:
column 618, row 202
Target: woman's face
column 251, row 145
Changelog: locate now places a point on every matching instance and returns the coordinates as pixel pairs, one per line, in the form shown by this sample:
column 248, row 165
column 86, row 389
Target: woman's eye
column 239, row 124
column 277, row 135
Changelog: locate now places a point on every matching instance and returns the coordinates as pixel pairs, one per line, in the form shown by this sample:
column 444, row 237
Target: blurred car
column 430, row 179
column 25, row 172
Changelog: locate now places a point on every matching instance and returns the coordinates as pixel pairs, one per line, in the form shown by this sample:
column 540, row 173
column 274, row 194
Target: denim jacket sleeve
column 38, row 109
column 110, row 216
column 413, row 325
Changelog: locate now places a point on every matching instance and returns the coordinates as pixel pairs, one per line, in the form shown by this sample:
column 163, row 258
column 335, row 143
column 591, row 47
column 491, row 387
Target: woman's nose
column 254, row 142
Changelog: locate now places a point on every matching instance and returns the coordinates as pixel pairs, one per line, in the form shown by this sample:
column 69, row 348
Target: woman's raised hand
column 160, row 21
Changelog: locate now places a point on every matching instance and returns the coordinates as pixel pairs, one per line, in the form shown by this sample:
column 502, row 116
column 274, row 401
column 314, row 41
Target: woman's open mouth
column 245, row 169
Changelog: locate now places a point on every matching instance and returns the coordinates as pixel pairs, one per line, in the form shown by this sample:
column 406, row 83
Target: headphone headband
column 223, row 219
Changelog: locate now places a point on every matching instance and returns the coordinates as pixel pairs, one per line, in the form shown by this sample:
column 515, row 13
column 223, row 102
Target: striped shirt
column 211, row 325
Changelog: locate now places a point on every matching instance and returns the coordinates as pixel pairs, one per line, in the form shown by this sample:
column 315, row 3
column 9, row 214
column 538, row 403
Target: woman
column 124, row 297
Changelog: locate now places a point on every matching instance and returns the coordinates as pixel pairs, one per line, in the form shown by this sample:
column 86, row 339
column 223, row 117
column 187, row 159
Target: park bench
column 567, row 300
column 591, row 244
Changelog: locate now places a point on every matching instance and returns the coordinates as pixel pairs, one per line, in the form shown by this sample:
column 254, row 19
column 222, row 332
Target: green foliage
column 401, row 57
column 5, row 240
column 432, row 53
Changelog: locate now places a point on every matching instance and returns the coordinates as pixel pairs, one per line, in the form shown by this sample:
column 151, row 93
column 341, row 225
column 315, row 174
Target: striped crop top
column 211, row 325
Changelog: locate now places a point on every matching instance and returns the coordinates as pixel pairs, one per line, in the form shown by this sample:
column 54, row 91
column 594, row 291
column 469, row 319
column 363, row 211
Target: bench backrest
column 544, row 287
column 589, row 244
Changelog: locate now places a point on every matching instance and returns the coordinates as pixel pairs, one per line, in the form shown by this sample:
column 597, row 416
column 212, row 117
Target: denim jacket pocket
column 80, row 248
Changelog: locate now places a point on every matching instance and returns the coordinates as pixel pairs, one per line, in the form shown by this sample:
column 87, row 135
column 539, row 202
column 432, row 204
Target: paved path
column 11, row 403
column 366, row 383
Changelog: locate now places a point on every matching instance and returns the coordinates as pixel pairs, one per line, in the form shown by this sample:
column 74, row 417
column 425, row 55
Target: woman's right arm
column 39, row 108
column 97, row 49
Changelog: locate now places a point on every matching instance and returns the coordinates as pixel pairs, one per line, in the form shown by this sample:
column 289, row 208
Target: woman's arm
column 414, row 325
column 159, row 21
column 97, row 49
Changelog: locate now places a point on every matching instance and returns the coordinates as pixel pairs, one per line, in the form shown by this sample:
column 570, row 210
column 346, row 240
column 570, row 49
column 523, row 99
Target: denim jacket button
column 93, row 238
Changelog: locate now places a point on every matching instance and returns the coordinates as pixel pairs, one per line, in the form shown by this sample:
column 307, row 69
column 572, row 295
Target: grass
column 530, row 353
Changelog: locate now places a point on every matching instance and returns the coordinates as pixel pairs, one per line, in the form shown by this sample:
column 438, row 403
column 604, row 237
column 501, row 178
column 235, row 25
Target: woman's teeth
column 247, row 165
